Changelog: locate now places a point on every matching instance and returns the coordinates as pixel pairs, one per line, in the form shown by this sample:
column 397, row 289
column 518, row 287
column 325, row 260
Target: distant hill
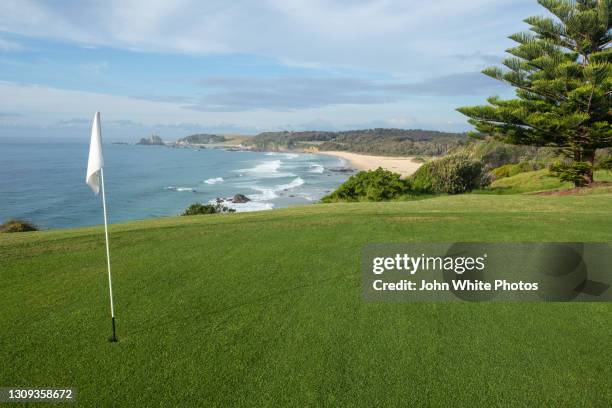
column 373, row 141
column 154, row 140
column 202, row 138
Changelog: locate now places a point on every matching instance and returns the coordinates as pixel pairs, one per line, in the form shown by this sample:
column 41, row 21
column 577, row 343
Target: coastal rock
column 240, row 198
column 154, row 140
column 342, row 169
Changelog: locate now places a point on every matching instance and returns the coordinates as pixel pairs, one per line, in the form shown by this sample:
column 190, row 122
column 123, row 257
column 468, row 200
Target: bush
column 450, row 174
column 605, row 163
column 575, row 172
column 18, row 226
column 199, row 209
column 376, row 185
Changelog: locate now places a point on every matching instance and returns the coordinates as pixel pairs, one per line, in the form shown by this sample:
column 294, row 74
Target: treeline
column 388, row 142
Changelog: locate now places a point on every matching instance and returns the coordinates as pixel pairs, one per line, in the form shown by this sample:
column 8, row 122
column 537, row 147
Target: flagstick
column 110, row 279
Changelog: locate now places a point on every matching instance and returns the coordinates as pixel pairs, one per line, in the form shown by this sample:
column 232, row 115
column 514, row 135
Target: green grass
column 530, row 181
column 539, row 180
column 265, row 309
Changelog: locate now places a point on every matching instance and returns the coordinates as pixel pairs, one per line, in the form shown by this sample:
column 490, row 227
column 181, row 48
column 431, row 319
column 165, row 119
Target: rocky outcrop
column 240, row 199
column 201, row 138
column 154, row 140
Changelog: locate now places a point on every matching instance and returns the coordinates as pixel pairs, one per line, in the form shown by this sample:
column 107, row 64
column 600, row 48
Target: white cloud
column 95, row 68
column 396, row 48
column 7, row 45
column 41, row 106
column 394, row 36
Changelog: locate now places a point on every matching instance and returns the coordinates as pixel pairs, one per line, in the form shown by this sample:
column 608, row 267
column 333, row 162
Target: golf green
column 265, row 309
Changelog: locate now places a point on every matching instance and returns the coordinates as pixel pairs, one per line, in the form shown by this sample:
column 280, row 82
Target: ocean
column 43, row 181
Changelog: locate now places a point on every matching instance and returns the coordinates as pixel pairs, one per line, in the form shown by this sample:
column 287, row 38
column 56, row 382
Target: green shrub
column 450, row 174
column 18, row 226
column 604, row 163
column 376, row 185
column 507, row 170
column 199, row 209
column 575, row 172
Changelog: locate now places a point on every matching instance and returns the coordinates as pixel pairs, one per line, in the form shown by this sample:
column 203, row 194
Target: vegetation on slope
column 14, row 225
column 540, row 180
column 375, row 185
column 204, row 209
column 386, row 142
column 202, row 138
column 452, row 174
column 464, row 171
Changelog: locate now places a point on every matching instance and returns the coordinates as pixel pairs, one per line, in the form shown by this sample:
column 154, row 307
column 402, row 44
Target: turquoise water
column 44, row 182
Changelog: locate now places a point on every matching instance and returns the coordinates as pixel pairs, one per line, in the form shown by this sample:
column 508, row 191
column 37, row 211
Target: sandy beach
column 402, row 165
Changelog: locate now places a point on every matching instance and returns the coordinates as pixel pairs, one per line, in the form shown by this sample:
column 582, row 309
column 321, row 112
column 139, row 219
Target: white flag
column 96, row 161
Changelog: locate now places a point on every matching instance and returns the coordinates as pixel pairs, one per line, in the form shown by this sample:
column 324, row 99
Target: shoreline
column 404, row 165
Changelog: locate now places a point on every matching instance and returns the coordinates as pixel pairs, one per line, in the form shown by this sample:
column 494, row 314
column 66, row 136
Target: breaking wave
column 266, row 169
column 286, row 155
column 316, row 168
column 215, row 180
column 181, row 189
column 270, row 193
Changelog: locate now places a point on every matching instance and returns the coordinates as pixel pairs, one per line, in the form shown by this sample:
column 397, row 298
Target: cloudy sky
column 175, row 67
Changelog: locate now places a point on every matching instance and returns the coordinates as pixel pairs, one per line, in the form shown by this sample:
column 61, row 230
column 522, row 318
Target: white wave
column 215, row 180
column 316, row 168
column 266, row 169
column 307, row 197
column 265, row 194
column 286, row 155
column 181, row 189
column 270, row 193
column 295, row 183
column 246, row 207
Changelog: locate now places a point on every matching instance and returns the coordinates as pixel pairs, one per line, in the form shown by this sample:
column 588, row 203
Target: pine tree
column 562, row 72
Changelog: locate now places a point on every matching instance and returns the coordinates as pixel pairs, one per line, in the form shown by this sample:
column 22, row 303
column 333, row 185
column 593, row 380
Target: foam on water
column 286, row 155
column 215, row 180
column 246, row 207
column 316, row 168
column 181, row 189
column 270, row 193
column 295, row 183
column 266, row 169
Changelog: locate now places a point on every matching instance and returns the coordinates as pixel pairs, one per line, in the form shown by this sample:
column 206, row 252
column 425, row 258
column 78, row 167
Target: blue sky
column 176, row 67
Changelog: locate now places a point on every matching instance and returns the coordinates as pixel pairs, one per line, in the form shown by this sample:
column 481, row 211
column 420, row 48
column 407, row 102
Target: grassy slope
column 537, row 181
column 265, row 309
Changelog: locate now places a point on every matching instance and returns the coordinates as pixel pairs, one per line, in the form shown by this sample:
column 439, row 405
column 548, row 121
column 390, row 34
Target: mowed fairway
column 265, row 309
